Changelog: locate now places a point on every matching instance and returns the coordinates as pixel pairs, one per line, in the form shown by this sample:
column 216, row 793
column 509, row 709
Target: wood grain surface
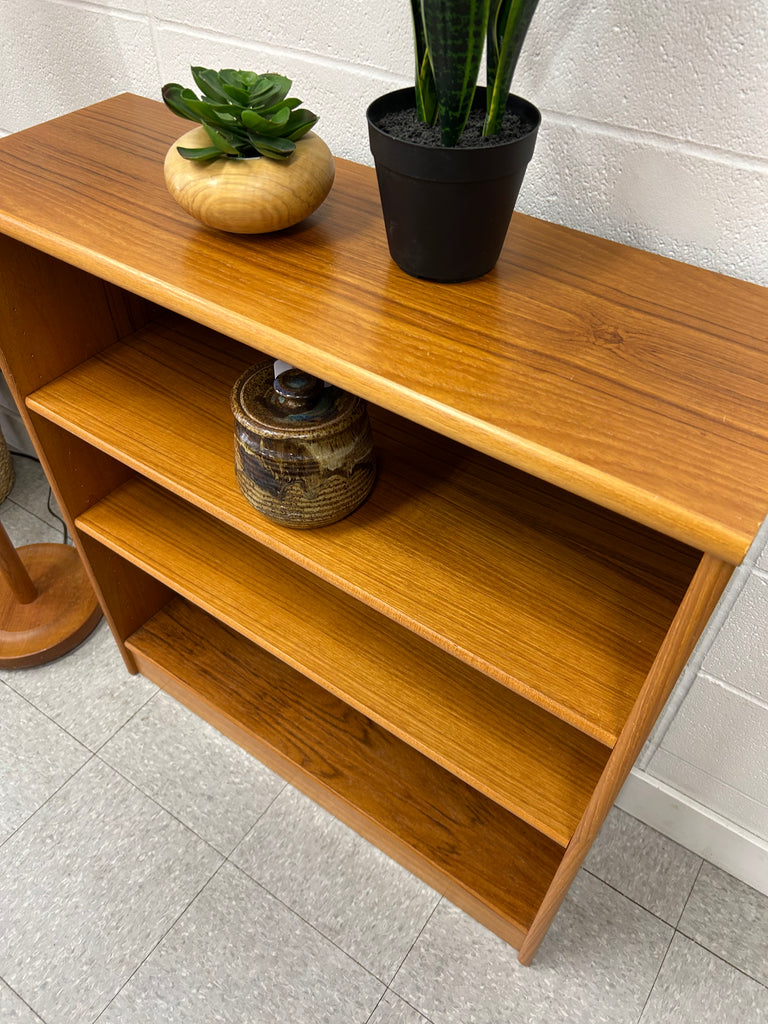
column 249, row 196
column 638, row 382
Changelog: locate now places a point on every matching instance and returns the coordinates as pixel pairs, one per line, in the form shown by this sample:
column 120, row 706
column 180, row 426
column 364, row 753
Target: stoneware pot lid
column 293, row 404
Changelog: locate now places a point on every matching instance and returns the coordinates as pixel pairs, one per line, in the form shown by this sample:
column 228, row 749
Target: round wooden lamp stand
column 47, row 604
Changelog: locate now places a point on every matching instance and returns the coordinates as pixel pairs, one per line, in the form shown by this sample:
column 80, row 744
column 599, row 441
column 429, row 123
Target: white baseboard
column 695, row 827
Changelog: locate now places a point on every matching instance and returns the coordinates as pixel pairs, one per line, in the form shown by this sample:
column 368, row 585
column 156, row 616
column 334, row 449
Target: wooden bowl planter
column 250, row 195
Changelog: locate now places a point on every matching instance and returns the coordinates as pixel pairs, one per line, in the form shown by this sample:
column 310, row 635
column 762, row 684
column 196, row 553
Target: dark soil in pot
column 405, row 125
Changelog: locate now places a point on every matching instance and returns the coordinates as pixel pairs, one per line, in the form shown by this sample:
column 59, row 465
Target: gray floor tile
column 25, row 528
column 193, row 771
column 90, row 884
column 695, row 987
column 238, row 956
column 89, row 692
column 643, row 865
column 36, row 758
column 30, row 491
column 596, row 965
column 729, row 918
column 349, row 890
column 393, row 1010
column 93, row 881
column 13, row 1010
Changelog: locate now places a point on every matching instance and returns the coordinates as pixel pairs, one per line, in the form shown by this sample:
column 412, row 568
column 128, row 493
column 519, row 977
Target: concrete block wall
column 718, row 741
column 654, row 130
column 702, row 777
column 654, row 134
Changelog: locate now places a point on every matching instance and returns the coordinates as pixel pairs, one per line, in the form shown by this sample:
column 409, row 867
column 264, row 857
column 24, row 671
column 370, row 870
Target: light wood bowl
column 250, row 195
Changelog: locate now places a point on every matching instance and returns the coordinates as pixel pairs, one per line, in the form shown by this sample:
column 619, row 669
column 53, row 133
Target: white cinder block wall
column 654, row 134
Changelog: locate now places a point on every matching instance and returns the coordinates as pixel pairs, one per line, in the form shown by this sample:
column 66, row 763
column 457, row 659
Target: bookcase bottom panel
column 480, row 856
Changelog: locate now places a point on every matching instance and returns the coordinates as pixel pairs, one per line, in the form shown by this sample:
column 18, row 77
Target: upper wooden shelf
column 635, row 381
column 562, row 601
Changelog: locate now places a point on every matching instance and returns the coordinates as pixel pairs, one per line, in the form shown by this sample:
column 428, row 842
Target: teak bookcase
column 573, row 454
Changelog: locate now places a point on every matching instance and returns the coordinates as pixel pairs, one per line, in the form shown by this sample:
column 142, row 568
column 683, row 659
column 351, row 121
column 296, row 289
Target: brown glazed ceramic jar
column 303, row 452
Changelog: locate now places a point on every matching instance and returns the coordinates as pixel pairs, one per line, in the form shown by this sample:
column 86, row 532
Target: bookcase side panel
column 694, row 612
column 128, row 596
column 53, row 316
column 79, row 474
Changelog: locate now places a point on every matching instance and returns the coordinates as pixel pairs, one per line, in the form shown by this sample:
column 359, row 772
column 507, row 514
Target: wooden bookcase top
column 635, row 381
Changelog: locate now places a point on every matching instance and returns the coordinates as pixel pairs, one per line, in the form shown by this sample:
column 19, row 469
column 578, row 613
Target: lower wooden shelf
column 483, row 858
column 531, row 763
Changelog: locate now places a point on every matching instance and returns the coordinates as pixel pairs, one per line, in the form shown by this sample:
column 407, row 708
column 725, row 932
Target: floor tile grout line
column 388, row 986
column 60, row 524
column 3, row 679
column 45, row 522
column 156, row 802
column 410, row 1005
column 688, row 897
column 22, row 1000
column 94, row 755
column 48, row 799
column 251, row 827
column 391, row 991
column 131, row 717
column 64, row 729
column 631, row 899
column 370, row 1016
column 676, row 927
column 411, row 947
column 170, row 927
column 719, row 956
column 655, row 980
column 309, row 924
column 223, row 861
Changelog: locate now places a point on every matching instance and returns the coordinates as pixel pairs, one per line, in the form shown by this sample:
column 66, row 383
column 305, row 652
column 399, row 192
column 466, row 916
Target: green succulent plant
column 243, row 114
column 449, row 37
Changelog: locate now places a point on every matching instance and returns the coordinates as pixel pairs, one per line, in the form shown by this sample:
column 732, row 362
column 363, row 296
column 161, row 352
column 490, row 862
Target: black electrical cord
column 56, row 515
column 34, row 458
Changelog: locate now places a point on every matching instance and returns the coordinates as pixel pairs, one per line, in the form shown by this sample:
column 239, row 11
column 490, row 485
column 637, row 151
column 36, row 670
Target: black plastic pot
column 447, row 209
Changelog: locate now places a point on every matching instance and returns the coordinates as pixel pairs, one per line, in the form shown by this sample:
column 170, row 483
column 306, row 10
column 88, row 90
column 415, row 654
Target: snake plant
column 450, row 36
column 243, row 114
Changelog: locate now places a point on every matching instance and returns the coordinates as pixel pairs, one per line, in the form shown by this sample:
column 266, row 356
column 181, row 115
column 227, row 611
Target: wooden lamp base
column 47, row 604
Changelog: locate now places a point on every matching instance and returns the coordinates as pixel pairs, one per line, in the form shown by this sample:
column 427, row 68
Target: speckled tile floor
column 151, row 872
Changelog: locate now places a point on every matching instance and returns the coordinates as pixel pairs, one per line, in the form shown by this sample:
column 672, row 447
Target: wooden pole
column 13, row 569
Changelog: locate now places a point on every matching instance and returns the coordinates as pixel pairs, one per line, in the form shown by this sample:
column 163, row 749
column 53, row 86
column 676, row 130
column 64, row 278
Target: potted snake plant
column 253, row 165
column 450, row 156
